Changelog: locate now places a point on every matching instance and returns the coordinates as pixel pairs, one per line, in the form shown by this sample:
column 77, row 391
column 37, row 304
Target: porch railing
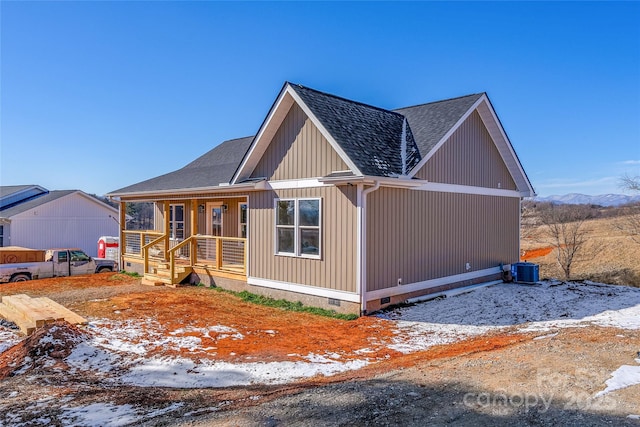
column 227, row 254
column 135, row 240
column 220, row 253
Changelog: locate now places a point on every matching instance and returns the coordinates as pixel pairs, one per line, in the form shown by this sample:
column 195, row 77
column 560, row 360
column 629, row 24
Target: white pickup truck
column 57, row 263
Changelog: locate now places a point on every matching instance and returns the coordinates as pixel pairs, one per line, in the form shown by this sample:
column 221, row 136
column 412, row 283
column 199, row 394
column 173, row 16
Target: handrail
column 145, row 251
column 172, row 256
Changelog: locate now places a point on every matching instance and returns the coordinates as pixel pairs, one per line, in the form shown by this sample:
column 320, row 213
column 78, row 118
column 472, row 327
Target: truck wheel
column 104, row 270
column 20, row 278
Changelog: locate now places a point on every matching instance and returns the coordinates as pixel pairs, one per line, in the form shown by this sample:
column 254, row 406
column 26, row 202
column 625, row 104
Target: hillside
column 609, row 256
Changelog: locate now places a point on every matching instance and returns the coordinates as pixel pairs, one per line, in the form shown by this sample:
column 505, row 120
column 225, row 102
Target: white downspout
column 362, row 263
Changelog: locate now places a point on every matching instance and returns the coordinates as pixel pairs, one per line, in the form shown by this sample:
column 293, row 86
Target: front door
column 214, row 219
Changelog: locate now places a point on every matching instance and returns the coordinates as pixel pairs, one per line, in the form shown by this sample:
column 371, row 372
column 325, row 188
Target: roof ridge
column 344, row 99
column 442, row 100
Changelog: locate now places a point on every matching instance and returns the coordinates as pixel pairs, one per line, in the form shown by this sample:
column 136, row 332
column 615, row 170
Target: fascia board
column 269, row 127
column 334, row 144
column 184, row 191
column 94, row 200
column 499, row 136
column 444, row 139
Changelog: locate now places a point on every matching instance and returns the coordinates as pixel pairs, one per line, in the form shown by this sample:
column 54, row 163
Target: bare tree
column 629, row 223
column 564, row 227
column 630, row 183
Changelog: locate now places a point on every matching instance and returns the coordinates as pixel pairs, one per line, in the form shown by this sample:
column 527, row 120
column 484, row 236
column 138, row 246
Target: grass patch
column 131, row 274
column 284, row 304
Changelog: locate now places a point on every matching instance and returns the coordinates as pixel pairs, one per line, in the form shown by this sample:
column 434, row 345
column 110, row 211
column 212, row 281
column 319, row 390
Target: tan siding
column 298, row 150
column 337, row 267
column 420, row 235
column 468, row 157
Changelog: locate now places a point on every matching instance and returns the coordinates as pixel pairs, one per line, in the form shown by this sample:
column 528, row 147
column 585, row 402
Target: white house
column 32, row 216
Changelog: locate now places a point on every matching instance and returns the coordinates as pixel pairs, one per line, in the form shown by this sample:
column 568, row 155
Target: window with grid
column 298, row 227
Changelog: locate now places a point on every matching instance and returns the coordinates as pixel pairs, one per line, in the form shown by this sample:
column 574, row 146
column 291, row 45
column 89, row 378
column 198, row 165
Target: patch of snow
column 185, row 373
column 8, row 338
column 623, row 377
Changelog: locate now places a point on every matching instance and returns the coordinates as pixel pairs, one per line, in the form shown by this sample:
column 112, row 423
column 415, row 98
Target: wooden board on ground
column 31, row 313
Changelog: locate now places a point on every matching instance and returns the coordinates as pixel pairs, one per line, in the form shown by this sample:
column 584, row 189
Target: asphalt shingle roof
column 33, row 203
column 209, row 170
column 370, row 136
column 430, row 122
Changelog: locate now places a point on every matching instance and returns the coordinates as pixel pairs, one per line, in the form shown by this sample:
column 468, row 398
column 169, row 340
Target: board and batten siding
column 72, row 221
column 298, row 150
column 422, row 235
column 336, row 269
column 468, row 157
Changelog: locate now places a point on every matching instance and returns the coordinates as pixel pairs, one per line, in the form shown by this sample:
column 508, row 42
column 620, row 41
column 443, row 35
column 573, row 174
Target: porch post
column 122, row 226
column 194, row 230
column 167, row 226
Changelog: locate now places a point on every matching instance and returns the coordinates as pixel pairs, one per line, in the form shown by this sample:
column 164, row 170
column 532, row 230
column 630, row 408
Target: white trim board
column 433, row 283
column 303, row 289
column 466, row 189
column 295, row 183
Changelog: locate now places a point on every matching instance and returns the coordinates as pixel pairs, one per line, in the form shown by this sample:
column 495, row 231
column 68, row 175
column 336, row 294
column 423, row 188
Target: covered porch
column 203, row 235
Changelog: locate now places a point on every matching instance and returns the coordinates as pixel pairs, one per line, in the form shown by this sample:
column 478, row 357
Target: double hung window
column 298, row 227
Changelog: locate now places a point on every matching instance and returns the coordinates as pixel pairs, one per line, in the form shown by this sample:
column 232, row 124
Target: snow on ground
column 541, row 307
column 125, row 352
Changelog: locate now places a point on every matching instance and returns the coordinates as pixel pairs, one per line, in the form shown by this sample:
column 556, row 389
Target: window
column 176, row 222
column 62, row 257
column 242, row 221
column 79, row 256
column 1, row 236
column 298, row 227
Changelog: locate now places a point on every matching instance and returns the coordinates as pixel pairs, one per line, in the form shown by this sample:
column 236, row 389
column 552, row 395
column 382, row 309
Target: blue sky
column 100, row 95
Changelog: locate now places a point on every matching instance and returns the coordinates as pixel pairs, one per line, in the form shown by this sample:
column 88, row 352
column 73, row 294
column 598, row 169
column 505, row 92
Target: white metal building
column 34, row 217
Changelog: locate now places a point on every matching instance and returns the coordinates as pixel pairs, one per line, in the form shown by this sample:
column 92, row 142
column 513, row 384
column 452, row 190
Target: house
column 34, row 217
column 340, row 204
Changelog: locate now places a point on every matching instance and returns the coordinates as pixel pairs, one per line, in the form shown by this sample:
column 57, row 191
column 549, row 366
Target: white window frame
column 240, row 223
column 173, row 221
column 297, row 228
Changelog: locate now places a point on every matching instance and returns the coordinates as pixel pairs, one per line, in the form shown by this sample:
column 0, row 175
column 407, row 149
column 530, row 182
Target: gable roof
column 371, row 137
column 371, row 141
column 48, row 197
column 11, row 195
column 430, row 122
column 213, row 168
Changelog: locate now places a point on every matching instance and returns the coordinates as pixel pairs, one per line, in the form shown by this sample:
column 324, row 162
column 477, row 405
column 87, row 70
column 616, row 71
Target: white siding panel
column 70, row 221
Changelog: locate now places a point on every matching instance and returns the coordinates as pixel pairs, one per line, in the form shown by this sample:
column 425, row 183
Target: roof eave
column 252, row 186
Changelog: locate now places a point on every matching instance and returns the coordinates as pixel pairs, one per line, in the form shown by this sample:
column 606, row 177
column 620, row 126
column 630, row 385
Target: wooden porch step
column 154, row 280
column 32, row 313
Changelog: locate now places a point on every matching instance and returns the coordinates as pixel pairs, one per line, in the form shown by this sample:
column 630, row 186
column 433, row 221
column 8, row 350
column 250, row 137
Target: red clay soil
column 56, row 341
column 535, row 253
column 268, row 334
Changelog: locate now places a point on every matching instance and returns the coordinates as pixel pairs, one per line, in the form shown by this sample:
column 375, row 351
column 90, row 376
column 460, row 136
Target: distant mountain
column 583, row 199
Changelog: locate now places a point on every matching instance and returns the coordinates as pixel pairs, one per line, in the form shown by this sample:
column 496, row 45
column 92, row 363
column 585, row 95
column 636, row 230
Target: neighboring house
column 34, row 217
column 340, row 204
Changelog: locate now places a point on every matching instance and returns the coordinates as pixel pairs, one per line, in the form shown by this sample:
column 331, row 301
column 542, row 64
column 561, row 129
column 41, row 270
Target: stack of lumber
column 31, row 313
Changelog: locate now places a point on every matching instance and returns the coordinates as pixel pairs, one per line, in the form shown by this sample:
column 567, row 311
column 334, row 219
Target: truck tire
column 104, row 270
column 20, row 278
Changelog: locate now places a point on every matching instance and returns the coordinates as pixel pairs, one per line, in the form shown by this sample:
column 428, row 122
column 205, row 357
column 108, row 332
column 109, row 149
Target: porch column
column 167, row 226
column 122, row 226
column 194, row 217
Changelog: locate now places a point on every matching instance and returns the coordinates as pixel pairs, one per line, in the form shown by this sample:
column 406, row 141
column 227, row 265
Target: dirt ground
column 499, row 379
